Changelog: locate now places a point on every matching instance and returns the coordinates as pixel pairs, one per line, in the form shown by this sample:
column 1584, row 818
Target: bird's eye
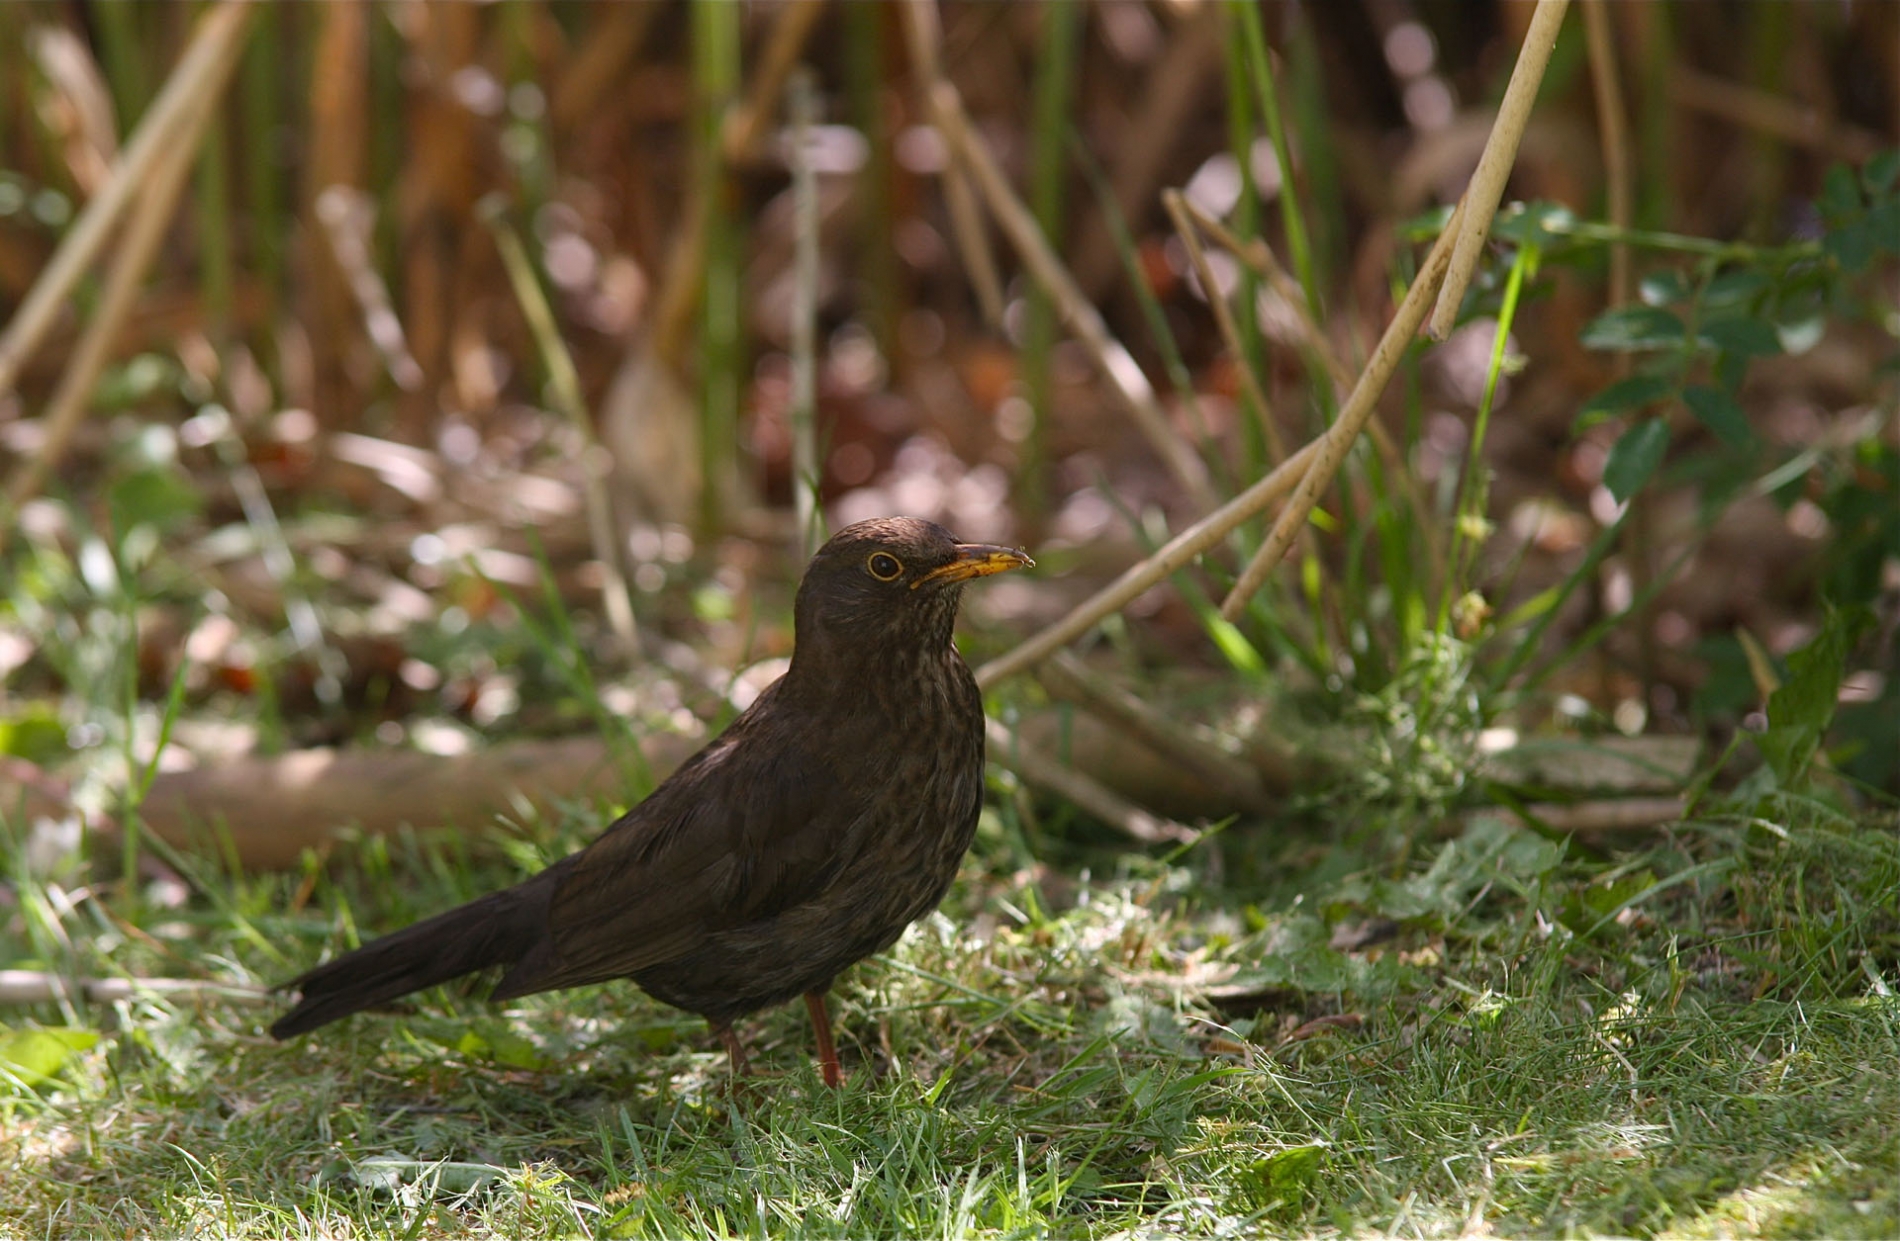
column 883, row 566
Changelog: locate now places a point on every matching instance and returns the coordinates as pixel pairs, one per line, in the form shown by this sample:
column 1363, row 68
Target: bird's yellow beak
column 977, row 560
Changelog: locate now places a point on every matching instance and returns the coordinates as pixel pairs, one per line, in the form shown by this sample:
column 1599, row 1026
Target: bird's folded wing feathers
column 737, row 835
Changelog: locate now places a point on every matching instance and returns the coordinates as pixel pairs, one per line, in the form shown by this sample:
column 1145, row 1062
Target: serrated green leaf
column 1800, row 711
column 1628, row 329
column 1717, row 410
column 1634, row 457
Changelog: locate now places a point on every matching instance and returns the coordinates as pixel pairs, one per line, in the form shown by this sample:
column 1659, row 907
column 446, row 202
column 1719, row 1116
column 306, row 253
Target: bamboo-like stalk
column 1494, row 166
column 1338, row 439
column 173, row 121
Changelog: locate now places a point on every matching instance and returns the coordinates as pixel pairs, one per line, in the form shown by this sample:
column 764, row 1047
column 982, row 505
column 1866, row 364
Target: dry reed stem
column 172, row 121
column 348, row 216
column 1078, row 313
column 1172, row 555
column 803, row 105
column 1034, row 767
column 164, row 179
column 1494, row 166
column 1338, row 439
column 923, row 34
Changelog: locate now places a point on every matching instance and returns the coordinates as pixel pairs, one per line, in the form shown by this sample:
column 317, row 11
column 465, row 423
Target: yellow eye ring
column 883, row 566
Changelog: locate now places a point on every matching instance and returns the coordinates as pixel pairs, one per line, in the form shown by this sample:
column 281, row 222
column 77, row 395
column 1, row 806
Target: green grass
column 1699, row 1038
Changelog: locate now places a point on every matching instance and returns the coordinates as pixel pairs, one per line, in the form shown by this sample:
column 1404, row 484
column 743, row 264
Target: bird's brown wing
column 737, row 834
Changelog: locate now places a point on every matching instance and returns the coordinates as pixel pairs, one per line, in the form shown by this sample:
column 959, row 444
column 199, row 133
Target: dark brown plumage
column 828, row 817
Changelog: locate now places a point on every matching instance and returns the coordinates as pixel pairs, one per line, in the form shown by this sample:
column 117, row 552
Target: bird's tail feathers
column 493, row 930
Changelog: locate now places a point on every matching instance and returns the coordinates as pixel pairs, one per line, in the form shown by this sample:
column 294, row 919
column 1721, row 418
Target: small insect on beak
column 976, row 560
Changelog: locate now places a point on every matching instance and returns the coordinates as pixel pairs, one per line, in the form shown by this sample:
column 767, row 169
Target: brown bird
column 807, row 836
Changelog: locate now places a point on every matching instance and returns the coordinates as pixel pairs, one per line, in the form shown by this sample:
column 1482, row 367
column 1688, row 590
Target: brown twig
column 1123, row 373
column 174, row 121
column 1791, row 122
column 1494, row 167
column 1338, row 439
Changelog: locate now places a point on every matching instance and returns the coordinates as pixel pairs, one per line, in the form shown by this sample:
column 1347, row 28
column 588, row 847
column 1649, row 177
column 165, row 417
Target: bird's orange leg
column 827, row 1050
column 735, row 1051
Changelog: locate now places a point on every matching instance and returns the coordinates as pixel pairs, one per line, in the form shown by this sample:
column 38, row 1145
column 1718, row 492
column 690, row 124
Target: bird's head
column 891, row 584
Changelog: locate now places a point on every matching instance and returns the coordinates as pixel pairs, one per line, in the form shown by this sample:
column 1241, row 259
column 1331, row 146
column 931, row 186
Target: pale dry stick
column 172, row 121
column 348, row 219
column 124, row 276
column 805, row 481
column 1176, row 203
column 923, row 34
column 564, row 383
column 1034, row 767
column 39, row 987
column 1176, row 553
column 1494, row 166
column 1338, row 440
column 739, row 130
column 1079, row 315
column 1067, row 677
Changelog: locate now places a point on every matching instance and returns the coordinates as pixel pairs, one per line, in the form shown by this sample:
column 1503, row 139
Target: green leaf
column 1286, row 1179
column 1840, row 196
column 1732, row 288
column 1800, row 335
column 34, row 1055
column 1880, row 172
column 1748, row 337
column 1800, row 711
column 1634, row 457
column 1632, row 328
column 160, row 498
column 1717, row 410
column 1626, row 394
column 33, row 733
